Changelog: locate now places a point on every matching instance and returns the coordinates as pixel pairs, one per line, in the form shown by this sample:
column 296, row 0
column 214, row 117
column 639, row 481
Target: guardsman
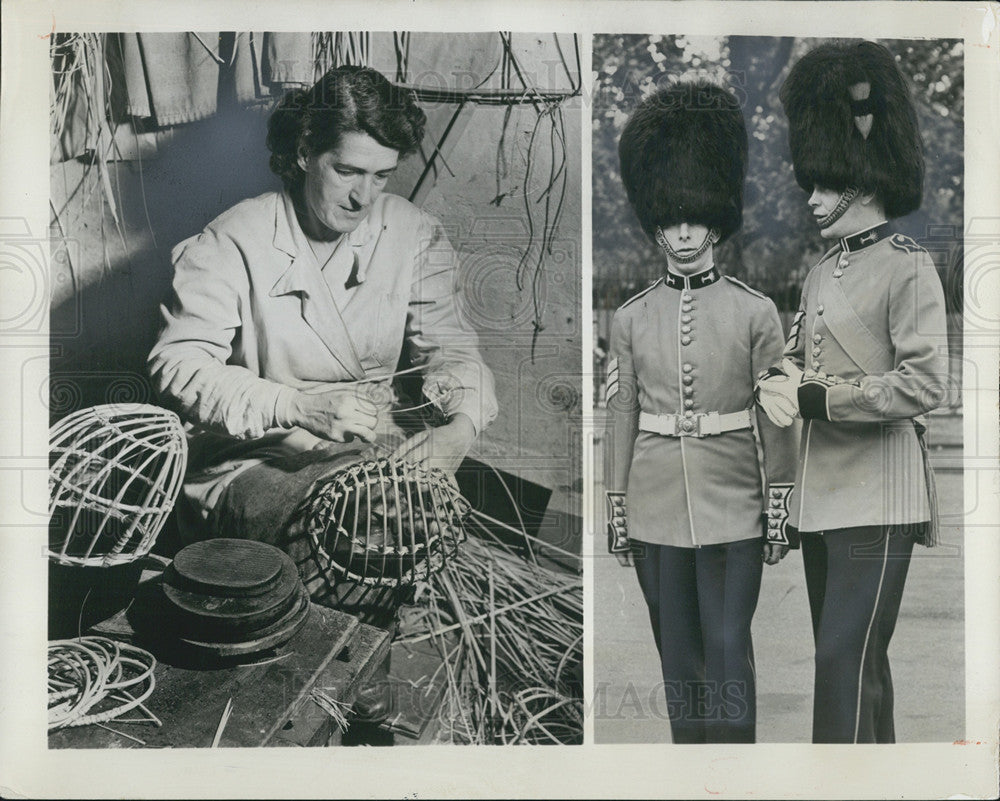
column 689, row 463
column 865, row 358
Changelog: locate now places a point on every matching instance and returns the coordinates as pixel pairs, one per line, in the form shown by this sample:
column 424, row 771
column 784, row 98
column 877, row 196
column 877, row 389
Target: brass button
column 688, row 390
column 686, row 318
column 688, row 379
column 817, row 338
column 685, row 340
column 816, row 352
column 688, row 403
column 687, row 368
column 685, row 329
column 689, row 413
column 819, row 309
column 842, row 262
column 837, row 273
column 688, row 425
column 686, row 297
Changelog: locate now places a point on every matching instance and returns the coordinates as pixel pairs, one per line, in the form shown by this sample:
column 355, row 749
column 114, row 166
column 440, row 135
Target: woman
column 866, row 358
column 290, row 314
column 686, row 479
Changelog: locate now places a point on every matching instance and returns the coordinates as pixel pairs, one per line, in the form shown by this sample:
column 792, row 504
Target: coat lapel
column 303, row 277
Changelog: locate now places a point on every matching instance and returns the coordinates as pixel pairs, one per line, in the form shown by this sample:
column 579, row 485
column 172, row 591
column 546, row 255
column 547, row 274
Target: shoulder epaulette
column 749, row 289
column 638, row 295
column 904, row 243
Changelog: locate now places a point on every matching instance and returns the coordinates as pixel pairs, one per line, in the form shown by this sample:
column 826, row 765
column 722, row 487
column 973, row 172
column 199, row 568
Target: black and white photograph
column 777, row 301
column 444, row 399
column 314, row 390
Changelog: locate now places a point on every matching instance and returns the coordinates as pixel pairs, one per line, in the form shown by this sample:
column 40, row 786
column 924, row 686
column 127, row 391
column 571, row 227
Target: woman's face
column 684, row 239
column 341, row 184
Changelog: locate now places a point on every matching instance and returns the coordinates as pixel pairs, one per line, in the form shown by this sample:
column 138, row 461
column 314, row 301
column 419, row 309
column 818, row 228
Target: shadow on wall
column 108, row 282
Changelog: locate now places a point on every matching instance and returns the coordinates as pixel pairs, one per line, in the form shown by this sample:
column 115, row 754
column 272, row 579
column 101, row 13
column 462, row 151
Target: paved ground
column 927, row 651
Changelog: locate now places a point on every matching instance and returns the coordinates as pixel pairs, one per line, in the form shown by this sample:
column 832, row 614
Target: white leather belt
column 706, row 424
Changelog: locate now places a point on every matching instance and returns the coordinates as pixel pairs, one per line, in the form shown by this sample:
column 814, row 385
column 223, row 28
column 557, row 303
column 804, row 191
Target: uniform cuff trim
column 812, row 401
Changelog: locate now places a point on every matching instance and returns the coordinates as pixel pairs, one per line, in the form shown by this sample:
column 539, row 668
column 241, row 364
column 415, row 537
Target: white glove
column 777, row 393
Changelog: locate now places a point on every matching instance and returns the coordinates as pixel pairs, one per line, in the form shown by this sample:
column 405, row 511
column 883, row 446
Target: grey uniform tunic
column 691, row 346
column 871, row 322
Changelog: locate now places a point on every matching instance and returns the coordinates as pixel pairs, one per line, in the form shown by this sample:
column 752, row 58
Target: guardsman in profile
column 865, row 359
column 689, row 463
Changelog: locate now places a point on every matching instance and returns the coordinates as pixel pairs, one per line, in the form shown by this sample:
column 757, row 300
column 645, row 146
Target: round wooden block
column 198, row 611
column 271, row 636
column 230, row 568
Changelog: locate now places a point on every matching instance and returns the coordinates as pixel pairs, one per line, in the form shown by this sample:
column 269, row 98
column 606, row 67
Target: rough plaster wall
column 104, row 310
column 537, row 435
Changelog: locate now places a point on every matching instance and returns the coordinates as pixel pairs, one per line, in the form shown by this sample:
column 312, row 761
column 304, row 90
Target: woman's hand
column 774, row 553
column 338, row 414
column 443, row 447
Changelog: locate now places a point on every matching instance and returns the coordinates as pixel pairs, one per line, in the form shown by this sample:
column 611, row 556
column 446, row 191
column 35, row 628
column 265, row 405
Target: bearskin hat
column 851, row 123
column 683, row 157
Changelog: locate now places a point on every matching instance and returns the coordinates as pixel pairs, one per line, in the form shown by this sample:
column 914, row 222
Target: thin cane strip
column 408, row 487
column 117, row 503
column 366, row 549
column 121, row 733
column 500, row 524
column 392, row 544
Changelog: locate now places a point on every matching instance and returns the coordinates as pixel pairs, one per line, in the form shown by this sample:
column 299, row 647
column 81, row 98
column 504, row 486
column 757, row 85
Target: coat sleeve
column 918, row 334
column 456, row 380
column 622, row 424
column 201, row 318
column 780, row 445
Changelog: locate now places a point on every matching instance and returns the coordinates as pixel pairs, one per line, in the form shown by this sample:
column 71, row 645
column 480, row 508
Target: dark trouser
column 701, row 602
column 855, row 579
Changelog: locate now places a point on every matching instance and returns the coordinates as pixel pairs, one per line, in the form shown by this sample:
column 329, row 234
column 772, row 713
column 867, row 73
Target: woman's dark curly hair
column 346, row 100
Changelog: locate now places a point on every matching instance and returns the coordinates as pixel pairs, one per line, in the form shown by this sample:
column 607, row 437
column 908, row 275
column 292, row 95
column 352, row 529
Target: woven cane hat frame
column 115, row 473
column 386, row 522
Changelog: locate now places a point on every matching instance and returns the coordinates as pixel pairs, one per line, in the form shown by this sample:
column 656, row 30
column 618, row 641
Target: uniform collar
column 866, row 238
column 696, row 281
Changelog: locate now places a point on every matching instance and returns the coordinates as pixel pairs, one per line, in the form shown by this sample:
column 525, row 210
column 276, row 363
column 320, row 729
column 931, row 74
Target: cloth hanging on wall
column 171, row 77
column 174, row 78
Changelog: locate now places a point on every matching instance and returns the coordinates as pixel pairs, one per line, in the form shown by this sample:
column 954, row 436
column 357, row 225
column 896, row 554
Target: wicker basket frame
column 115, row 471
column 432, row 502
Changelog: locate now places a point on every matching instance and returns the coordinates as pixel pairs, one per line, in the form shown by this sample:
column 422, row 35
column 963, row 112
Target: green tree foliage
column 779, row 242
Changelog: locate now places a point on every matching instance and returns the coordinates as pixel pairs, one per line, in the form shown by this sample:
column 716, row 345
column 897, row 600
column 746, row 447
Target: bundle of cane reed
column 95, row 679
column 510, row 633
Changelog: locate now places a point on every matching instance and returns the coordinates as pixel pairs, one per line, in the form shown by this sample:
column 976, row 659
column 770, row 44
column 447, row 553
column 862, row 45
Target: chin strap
column 711, row 238
column 845, row 200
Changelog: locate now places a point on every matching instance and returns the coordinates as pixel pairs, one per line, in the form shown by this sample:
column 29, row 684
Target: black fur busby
column 683, row 157
column 851, row 123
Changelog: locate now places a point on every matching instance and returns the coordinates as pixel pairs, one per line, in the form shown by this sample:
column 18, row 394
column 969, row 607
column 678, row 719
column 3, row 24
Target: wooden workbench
column 271, row 703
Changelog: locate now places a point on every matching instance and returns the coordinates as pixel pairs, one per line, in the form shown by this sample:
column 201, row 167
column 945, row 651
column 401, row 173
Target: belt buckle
column 695, row 426
column 689, row 426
